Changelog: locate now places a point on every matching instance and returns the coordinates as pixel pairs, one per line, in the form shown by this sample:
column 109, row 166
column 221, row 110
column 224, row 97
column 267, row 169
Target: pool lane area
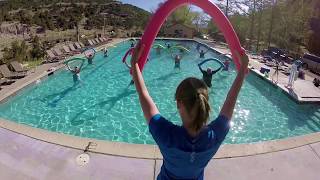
column 105, row 107
column 25, row 148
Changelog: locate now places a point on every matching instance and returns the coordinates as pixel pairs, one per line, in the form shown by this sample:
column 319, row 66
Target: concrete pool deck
column 303, row 92
column 24, row 158
column 31, row 153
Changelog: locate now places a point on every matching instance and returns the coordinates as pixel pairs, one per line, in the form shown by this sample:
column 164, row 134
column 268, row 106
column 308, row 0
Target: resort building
column 179, row 31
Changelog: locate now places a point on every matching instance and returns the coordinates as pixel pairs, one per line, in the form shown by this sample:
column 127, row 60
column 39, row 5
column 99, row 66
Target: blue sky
column 148, row 4
column 144, row 4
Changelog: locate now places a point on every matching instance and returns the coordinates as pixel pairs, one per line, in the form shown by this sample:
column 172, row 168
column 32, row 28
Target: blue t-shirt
column 185, row 157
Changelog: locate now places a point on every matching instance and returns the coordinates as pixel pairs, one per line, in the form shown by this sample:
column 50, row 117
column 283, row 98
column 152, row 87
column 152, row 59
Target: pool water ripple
column 105, row 107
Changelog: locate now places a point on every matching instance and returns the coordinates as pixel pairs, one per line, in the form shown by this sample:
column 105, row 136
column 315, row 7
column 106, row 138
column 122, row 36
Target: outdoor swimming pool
column 105, row 107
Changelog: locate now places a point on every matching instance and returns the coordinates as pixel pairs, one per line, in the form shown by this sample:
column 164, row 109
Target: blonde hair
column 193, row 93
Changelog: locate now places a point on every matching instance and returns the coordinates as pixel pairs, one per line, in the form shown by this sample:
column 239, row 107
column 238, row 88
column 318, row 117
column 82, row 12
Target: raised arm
column 200, row 64
column 172, row 55
column 229, row 104
column 213, row 72
column 148, row 106
column 81, row 65
column 69, row 67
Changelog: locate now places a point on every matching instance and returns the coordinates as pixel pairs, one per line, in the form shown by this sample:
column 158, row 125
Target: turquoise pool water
column 104, row 107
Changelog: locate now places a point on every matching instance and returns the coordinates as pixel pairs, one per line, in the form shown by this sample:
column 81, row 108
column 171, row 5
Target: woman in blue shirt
column 187, row 149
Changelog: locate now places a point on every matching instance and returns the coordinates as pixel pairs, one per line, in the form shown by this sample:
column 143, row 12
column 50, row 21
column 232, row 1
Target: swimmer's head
column 76, row 68
column 193, row 102
column 209, row 70
column 201, row 51
column 90, row 55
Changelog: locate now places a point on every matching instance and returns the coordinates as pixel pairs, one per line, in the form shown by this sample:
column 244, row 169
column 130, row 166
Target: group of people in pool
column 206, row 74
column 193, row 144
column 77, row 69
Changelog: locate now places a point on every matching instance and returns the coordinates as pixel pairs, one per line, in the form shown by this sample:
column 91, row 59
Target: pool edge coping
column 141, row 150
column 146, row 151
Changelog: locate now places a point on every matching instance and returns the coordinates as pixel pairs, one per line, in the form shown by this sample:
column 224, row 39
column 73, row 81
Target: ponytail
column 193, row 93
column 202, row 112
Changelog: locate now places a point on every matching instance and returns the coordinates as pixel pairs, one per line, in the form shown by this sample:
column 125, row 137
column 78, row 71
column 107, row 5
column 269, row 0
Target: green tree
column 37, row 50
column 183, row 15
column 17, row 52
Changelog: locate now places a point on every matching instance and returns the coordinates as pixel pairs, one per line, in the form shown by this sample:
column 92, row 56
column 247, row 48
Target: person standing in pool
column 132, row 44
column 177, row 59
column 207, row 75
column 76, row 73
column 105, row 52
column 90, row 58
column 202, row 53
column 226, row 65
column 187, row 148
column 168, row 45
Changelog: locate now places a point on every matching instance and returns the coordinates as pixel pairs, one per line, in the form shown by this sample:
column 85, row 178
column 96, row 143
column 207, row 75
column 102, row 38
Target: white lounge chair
column 101, row 39
column 67, row 50
column 58, row 52
column 97, row 39
column 94, row 41
column 77, row 45
column 17, row 67
column 51, row 58
column 4, row 70
column 90, row 42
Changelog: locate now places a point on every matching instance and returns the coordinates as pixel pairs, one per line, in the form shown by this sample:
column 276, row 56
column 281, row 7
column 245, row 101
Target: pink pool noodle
column 209, row 7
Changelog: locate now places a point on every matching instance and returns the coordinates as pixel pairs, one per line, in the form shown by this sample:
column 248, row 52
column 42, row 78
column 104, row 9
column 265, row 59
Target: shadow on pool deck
column 111, row 101
column 272, row 94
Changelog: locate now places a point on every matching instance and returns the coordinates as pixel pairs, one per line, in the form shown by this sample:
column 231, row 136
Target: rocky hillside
column 63, row 14
column 54, row 21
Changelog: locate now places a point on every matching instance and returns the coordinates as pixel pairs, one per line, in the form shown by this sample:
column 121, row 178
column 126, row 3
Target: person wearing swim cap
column 207, row 75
